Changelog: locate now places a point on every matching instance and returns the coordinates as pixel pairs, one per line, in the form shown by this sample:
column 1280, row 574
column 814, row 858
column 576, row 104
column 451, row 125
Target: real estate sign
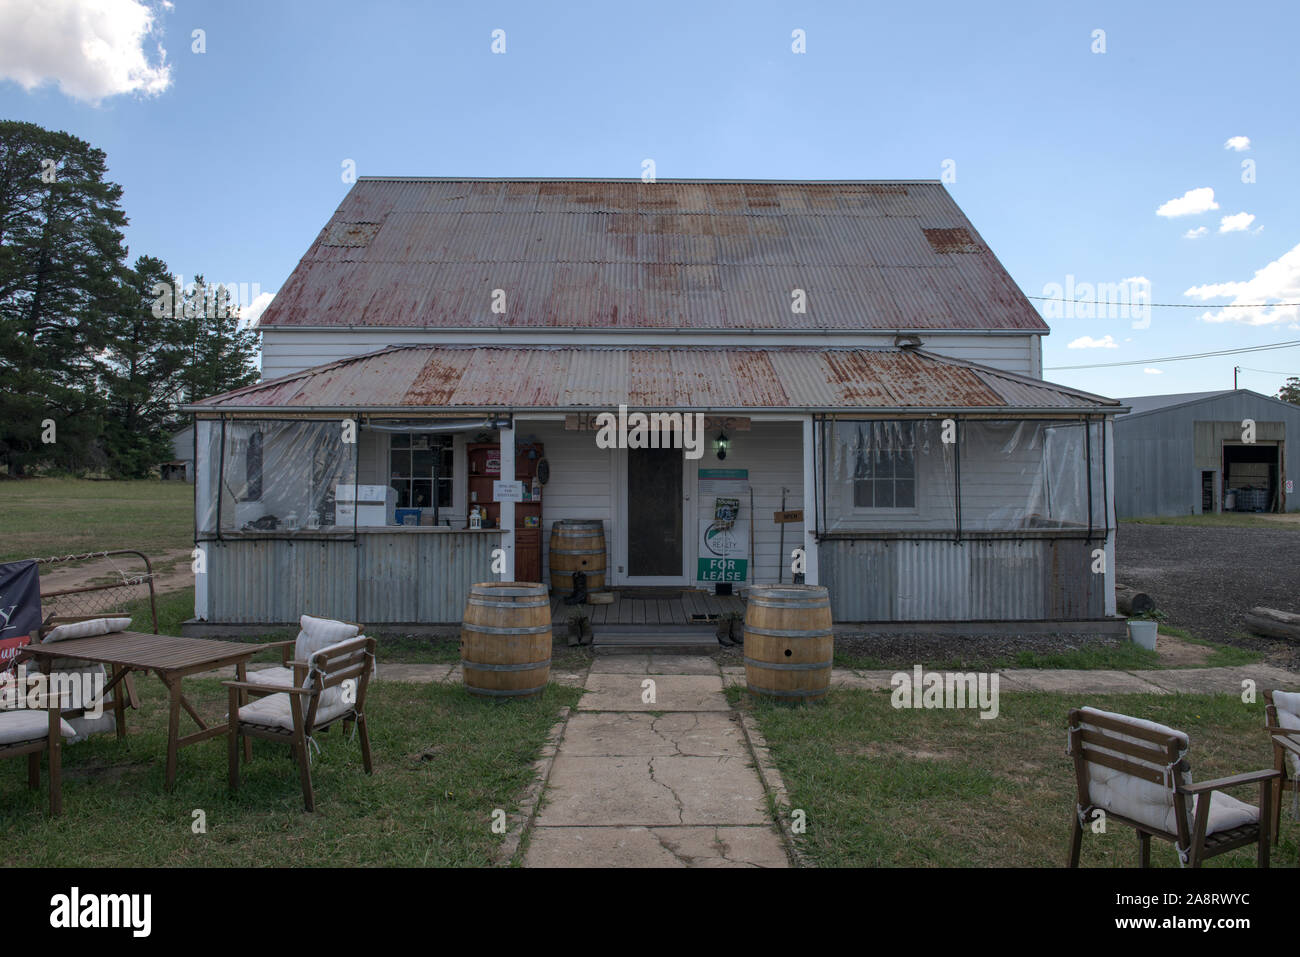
column 723, row 552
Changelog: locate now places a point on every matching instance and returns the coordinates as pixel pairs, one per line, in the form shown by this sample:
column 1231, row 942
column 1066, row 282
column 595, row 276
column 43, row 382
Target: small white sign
column 1290, row 486
column 507, row 491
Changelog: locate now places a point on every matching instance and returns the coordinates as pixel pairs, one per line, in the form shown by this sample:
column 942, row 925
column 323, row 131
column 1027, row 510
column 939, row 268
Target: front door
column 654, row 514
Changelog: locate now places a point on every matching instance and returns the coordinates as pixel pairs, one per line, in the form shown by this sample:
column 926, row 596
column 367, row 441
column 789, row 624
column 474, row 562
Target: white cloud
column 1191, row 202
column 1278, row 281
column 91, row 48
column 1136, row 281
column 1237, row 143
column 248, row 315
column 1154, row 371
column 1088, row 342
column 1236, row 223
column 1196, row 233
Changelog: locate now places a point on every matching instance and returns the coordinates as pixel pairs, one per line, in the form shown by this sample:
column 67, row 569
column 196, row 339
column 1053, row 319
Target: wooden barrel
column 505, row 640
column 577, row 545
column 789, row 642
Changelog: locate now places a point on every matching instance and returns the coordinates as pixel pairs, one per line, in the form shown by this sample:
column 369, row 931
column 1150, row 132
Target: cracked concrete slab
column 625, row 692
column 1221, row 680
column 1076, row 682
column 656, row 847
column 620, row 665
column 663, row 790
column 691, row 734
column 682, row 665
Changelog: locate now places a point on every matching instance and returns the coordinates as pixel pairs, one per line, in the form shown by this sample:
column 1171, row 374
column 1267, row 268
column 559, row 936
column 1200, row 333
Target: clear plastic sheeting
column 889, row 475
column 275, row 477
column 1010, row 475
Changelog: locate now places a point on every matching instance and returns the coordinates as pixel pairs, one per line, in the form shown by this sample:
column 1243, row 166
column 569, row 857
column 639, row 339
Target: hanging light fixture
column 720, row 445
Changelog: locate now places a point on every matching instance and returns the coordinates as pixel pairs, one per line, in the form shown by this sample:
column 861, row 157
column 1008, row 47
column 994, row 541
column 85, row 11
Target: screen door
column 654, row 513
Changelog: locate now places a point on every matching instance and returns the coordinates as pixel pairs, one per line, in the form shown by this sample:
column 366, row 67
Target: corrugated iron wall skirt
column 974, row 580
column 378, row 579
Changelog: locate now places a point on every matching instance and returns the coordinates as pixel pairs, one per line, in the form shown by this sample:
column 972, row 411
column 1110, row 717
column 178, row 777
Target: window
column 884, row 469
column 416, row 463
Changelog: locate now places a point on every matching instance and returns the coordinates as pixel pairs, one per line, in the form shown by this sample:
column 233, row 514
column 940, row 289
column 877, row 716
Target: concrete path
column 654, row 770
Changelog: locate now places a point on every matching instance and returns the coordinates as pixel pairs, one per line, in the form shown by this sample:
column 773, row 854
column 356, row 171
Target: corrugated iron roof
column 674, row 254
column 426, row 377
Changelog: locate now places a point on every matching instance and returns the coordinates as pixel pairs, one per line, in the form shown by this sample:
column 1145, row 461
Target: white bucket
column 1143, row 633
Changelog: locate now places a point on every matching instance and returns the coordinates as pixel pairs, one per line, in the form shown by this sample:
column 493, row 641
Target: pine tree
column 61, row 252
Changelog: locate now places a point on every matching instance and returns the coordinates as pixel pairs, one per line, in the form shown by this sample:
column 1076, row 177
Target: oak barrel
column 505, row 639
column 789, row 642
column 577, row 545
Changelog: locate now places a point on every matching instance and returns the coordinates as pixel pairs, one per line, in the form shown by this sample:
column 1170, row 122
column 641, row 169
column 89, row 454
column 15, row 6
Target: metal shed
column 1201, row 452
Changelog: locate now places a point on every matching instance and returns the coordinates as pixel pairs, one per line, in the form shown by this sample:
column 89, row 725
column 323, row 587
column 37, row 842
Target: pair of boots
column 579, row 596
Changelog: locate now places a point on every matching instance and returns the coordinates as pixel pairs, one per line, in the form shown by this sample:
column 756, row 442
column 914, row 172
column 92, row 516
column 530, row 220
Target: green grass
column 1124, row 656
column 914, row 788
column 59, row 516
column 1215, row 520
column 443, row 763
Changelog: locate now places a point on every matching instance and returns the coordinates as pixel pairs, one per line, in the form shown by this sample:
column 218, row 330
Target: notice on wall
column 507, row 491
column 723, row 552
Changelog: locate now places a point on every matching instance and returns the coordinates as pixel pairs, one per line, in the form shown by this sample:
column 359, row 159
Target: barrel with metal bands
column 577, row 545
column 789, row 641
column 505, row 639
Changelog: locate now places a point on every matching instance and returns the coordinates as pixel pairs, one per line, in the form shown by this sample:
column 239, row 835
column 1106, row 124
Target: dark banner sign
column 20, row 608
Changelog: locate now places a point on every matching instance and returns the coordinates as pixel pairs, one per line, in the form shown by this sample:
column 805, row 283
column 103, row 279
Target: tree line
column 97, row 354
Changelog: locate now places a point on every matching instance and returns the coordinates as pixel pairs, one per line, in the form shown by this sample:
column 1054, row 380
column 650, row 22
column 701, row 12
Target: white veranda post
column 508, row 507
column 809, row 504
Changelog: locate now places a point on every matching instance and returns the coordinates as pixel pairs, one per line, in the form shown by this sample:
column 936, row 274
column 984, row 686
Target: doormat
column 650, row 593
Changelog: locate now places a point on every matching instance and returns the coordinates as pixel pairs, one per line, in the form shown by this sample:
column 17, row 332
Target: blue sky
column 231, row 159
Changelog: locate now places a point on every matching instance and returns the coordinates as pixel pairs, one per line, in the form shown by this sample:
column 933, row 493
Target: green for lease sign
column 722, row 569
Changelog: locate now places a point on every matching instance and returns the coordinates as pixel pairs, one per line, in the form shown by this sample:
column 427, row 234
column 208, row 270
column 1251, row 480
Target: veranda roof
column 426, row 378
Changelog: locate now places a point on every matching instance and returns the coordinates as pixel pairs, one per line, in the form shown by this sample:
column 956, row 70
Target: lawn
column 918, row 788
column 59, row 516
column 443, row 763
column 1122, row 656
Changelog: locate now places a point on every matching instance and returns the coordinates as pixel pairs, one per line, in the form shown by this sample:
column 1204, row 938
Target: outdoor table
column 171, row 658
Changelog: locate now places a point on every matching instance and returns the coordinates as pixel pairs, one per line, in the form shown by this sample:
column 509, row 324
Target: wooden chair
column 30, row 732
column 315, row 700
column 1282, row 721
column 118, row 696
column 1136, row 772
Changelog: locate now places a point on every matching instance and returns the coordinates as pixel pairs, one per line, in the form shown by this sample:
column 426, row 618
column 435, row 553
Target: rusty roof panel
column 709, row 255
column 562, row 377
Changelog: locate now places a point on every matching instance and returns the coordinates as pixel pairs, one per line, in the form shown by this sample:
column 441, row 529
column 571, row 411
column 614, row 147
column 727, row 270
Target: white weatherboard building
column 863, row 362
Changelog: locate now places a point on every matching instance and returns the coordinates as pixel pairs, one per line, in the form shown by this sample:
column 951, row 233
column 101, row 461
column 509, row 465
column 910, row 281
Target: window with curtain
column 884, row 466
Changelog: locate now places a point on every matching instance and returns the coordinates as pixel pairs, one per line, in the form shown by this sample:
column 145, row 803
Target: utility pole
column 1235, row 370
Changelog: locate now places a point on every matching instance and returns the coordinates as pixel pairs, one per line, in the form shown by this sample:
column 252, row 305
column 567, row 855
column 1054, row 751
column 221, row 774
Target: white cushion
column 277, row 677
column 17, row 726
column 86, row 629
column 1288, row 716
column 1139, row 800
column 274, row 711
column 1149, row 803
column 318, row 633
column 1226, row 812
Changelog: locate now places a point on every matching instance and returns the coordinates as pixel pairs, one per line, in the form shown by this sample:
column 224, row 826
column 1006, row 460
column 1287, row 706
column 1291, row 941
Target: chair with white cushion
column 96, row 714
column 1136, row 773
column 30, row 732
column 327, row 687
column 313, row 635
column 1282, row 720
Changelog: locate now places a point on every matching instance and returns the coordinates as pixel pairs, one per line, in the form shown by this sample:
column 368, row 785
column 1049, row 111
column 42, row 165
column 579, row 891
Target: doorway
column 1250, row 475
column 655, row 526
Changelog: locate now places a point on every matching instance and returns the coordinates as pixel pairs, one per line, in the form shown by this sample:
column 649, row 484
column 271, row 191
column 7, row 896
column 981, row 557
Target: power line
column 1167, row 305
column 1268, row 371
column 1198, row 355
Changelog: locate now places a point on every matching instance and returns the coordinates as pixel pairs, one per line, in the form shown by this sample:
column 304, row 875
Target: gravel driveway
column 1206, row 579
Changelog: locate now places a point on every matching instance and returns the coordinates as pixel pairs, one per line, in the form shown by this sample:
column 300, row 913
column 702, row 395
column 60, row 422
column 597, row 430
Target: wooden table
column 169, row 657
